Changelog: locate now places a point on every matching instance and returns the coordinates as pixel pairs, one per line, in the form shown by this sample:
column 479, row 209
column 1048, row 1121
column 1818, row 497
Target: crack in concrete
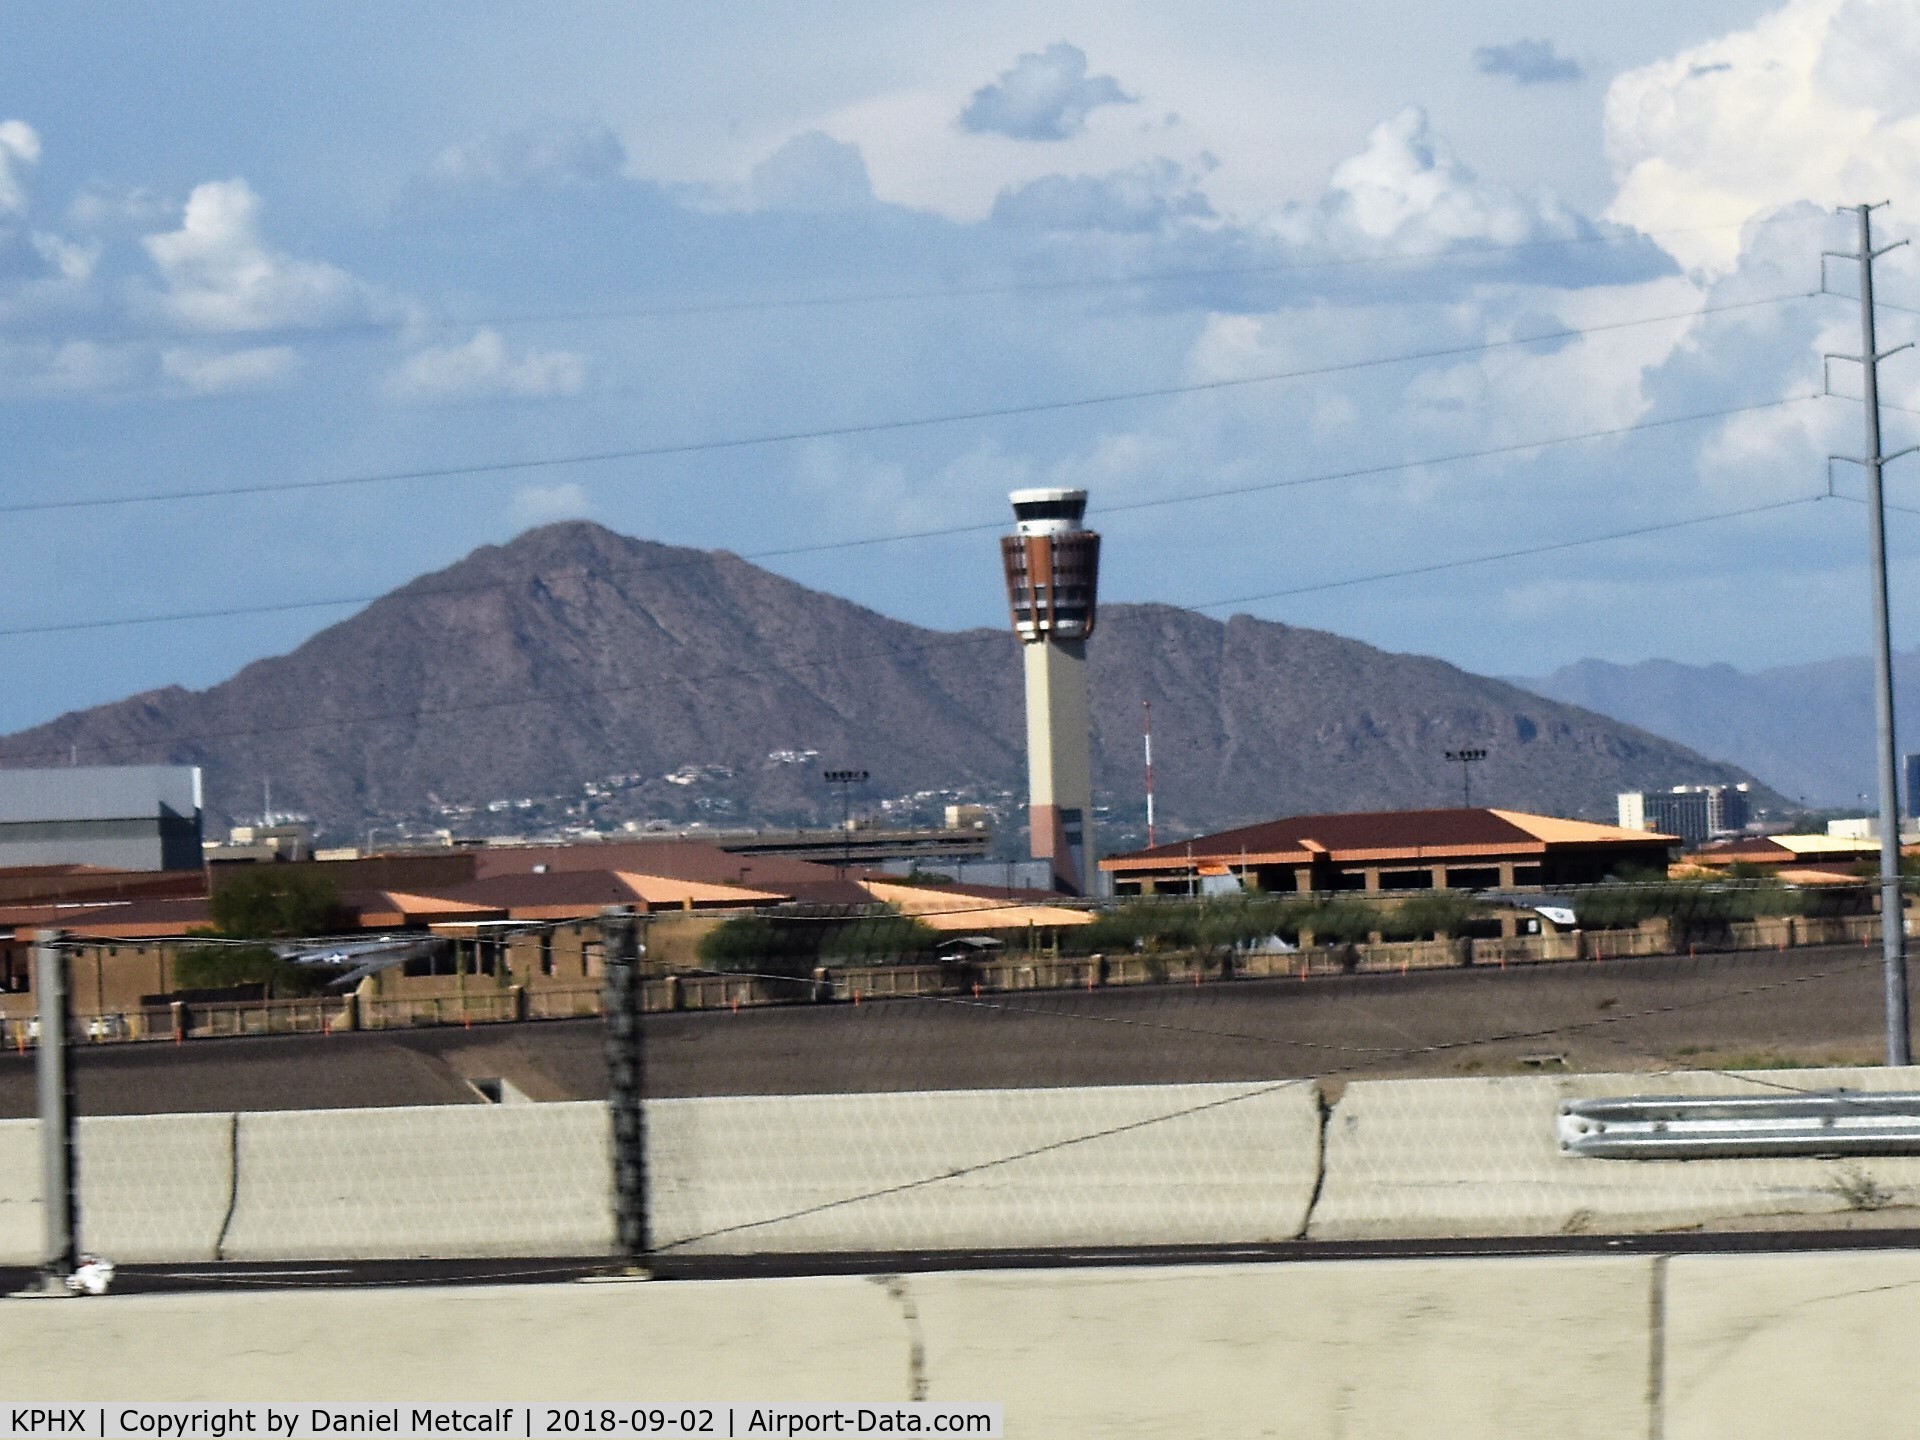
column 896, row 1288
column 233, row 1184
column 1325, row 1109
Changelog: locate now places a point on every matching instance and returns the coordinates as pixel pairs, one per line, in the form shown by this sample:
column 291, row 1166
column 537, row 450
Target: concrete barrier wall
column 153, row 1187
column 1408, row 1158
column 445, row 1180
column 1126, row 1165
column 1131, row 1165
column 1762, row 1347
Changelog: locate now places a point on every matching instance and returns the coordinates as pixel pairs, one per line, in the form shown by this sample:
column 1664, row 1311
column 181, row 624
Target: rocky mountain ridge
column 575, row 677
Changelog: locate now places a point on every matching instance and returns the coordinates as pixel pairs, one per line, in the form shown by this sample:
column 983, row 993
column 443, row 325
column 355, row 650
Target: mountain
column 1807, row 730
column 576, row 676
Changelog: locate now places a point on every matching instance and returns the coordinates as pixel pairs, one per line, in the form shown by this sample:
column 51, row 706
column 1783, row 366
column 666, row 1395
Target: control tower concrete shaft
column 1053, row 571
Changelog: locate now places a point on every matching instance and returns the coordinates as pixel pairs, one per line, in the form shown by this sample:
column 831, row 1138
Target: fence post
column 626, row 1084
column 60, row 1252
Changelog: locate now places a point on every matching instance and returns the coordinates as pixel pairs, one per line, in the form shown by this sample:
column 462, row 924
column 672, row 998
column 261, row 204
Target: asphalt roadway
column 1749, row 1009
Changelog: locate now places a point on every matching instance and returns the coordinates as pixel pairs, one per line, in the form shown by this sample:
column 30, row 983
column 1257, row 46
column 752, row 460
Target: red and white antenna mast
column 1146, row 731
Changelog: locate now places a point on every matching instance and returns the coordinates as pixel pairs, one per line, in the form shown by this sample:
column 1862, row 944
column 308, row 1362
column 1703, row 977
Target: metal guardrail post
column 60, row 1252
column 626, row 1084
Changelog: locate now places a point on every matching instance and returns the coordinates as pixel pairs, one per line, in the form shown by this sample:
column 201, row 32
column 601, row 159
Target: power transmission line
column 417, row 714
column 750, row 304
column 1497, row 555
column 641, row 452
column 976, row 527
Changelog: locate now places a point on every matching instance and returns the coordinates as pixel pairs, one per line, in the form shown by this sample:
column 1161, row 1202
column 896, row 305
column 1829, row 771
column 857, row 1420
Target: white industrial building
column 118, row 817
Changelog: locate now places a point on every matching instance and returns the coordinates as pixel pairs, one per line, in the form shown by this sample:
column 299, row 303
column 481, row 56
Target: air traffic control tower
column 1053, row 572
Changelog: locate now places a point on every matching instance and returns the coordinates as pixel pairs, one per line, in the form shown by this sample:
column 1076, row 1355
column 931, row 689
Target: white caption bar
column 95, row 1421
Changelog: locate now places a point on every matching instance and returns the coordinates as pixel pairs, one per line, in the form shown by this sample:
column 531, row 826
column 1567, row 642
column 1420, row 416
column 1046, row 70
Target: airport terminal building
column 1393, row 850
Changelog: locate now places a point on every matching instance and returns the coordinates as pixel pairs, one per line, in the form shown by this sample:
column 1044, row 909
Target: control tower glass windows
column 1070, row 508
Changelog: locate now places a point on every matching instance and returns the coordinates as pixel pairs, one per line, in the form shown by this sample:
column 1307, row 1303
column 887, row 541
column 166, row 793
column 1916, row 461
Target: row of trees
column 1238, row 920
column 796, row 945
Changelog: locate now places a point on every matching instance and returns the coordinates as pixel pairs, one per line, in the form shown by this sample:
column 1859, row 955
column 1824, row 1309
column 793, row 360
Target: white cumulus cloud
column 486, row 366
column 1045, row 96
column 220, row 274
column 1407, row 190
column 1816, row 101
column 1143, row 197
column 543, row 504
column 549, row 153
column 217, row 372
column 19, row 153
column 812, row 172
column 1527, row 62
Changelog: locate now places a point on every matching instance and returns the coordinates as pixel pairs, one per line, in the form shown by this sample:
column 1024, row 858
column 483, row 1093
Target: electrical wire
column 877, row 427
column 415, row 715
column 1497, row 555
column 437, row 592
column 674, row 309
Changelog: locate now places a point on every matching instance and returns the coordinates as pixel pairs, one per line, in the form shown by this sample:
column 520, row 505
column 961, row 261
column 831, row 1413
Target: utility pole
column 60, row 1254
column 627, row 1084
column 1893, row 929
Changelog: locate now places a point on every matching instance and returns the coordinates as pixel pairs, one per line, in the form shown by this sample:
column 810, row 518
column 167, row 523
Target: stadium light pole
column 846, row 780
column 1893, row 927
column 1466, row 760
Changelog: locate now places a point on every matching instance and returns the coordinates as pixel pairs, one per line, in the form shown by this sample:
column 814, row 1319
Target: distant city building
column 116, row 817
column 1912, row 767
column 969, row 817
column 292, row 841
column 1696, row 813
column 1867, row 827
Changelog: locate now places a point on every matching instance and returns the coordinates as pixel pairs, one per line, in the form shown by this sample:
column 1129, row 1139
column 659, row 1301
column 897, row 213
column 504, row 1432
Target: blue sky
column 260, row 247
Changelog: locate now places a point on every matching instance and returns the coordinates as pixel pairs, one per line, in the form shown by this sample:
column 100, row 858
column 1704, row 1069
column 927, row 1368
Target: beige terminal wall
column 1749, row 1346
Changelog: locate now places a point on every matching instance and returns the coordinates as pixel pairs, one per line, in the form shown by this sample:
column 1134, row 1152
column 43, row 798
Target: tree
column 1427, row 913
column 219, row 967
column 271, row 902
column 794, row 945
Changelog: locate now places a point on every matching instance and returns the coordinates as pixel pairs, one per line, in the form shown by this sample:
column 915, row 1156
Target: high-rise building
column 1913, row 786
column 1696, row 813
column 1053, row 568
